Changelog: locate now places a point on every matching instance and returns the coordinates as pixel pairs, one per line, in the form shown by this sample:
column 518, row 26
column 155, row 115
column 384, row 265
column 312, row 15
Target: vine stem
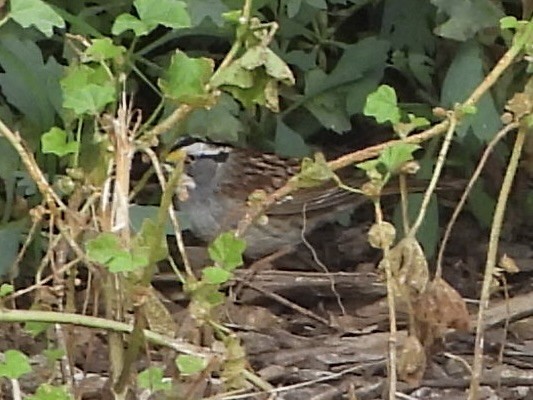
column 102, row 323
column 490, row 265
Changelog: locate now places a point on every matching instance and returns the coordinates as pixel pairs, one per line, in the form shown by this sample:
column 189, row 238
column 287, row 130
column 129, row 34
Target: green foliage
column 464, row 74
column 56, row 141
column 186, row 78
column 106, row 249
column 383, row 105
column 389, row 161
column 6, row 289
column 49, row 392
column 324, row 65
column 190, row 365
column 226, row 251
column 152, row 378
column 36, row 13
column 87, row 90
column 169, row 13
column 29, row 84
column 15, row 364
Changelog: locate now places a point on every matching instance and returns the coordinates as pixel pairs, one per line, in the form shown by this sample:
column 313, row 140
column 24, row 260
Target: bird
column 220, row 181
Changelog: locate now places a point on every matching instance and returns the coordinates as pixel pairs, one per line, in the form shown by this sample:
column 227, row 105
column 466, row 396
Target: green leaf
column 104, row 49
column 215, row 275
column 106, row 250
column 328, row 107
column 139, row 213
column 55, row 141
column 37, row 13
column 463, row 76
column 333, row 98
column 49, row 392
column 186, row 78
column 190, row 365
column 226, row 250
column 320, row 4
column 288, row 143
column 152, row 379
column 15, row 364
column 508, row 22
column 466, row 18
column 36, row 328
column 314, row 172
column 10, row 240
column 127, row 21
column 208, row 9
column 153, row 238
column 408, row 24
column 169, row 13
column 124, row 261
column 103, row 248
column 6, row 289
column 53, row 354
column 91, row 100
column 258, row 56
column 29, row 84
column 428, row 234
column 383, row 105
column 293, row 7
column 220, row 123
column 395, row 156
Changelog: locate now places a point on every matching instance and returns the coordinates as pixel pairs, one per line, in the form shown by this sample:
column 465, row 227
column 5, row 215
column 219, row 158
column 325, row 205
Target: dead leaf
column 412, row 361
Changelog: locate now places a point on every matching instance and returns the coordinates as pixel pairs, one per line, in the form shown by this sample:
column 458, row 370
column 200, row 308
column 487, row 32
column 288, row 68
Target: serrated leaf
column 189, row 364
column 15, row 364
column 314, row 172
column 152, row 378
column 55, row 141
column 333, row 98
column 227, row 250
column 383, row 105
column 186, row 78
column 36, row 328
column 220, row 123
column 29, row 84
column 258, row 56
column 91, row 99
column 209, row 9
column 124, row 261
column 464, row 75
column 49, row 392
column 408, row 25
column 36, row 13
column 6, row 289
column 103, row 248
column 152, row 237
column 288, row 143
column 169, row 13
column 395, row 156
column 466, row 18
column 53, row 354
column 215, row 275
column 125, row 22
column 103, row 49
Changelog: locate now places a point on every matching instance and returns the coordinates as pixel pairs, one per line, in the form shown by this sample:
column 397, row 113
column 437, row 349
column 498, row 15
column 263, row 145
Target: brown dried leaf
column 509, row 264
column 412, row 361
column 409, row 267
column 440, row 308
